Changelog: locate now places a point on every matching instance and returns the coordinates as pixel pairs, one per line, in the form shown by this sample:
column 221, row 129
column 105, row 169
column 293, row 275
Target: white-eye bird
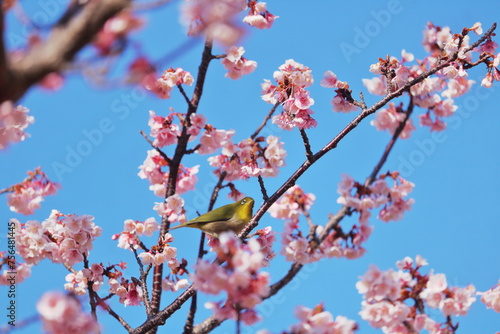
column 232, row 217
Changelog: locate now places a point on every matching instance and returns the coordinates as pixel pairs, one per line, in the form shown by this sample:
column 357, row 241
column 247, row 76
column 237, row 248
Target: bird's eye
column 243, row 202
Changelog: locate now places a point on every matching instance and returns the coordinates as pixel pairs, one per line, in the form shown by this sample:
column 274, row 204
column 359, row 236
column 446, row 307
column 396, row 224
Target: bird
column 231, row 217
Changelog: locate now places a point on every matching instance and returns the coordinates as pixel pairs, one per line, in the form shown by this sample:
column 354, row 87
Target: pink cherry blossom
column 236, row 64
column 63, row 314
column 492, row 298
column 258, row 16
column 115, row 31
column 292, row 204
column 163, row 129
column 129, row 293
column 174, row 286
column 213, row 139
column 457, row 87
column 318, row 320
column 329, row 80
column 340, row 104
column 13, row 123
column 169, row 79
column 213, row 18
column 238, row 276
column 376, row 85
column 377, row 285
column 385, row 314
column 390, row 119
column 249, row 158
column 57, row 238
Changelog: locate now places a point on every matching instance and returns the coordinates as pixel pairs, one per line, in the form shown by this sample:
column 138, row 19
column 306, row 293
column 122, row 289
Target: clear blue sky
column 454, row 223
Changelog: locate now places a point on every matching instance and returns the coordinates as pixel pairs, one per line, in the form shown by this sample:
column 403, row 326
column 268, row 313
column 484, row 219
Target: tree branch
column 60, row 48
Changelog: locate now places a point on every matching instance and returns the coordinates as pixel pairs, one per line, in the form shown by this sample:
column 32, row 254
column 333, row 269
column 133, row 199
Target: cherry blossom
column 385, row 294
column 341, row 101
column 112, row 36
column 390, row 119
column 163, row 129
column 214, row 18
column 132, row 229
column 13, row 123
column 61, row 313
column 170, row 78
column 317, row 320
column 236, row 64
column 258, row 16
column 129, row 293
column 249, row 158
column 238, row 276
column 492, row 298
column 151, row 170
column 60, row 238
column 292, row 79
column 213, row 139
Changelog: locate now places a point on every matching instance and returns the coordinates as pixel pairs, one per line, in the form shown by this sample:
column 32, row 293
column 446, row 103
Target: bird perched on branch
column 232, row 217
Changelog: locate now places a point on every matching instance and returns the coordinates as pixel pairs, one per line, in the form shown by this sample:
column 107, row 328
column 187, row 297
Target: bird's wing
column 222, row 213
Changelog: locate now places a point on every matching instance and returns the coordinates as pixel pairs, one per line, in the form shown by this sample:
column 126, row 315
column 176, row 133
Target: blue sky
column 454, row 223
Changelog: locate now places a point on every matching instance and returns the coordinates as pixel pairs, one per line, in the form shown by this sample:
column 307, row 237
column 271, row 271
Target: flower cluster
column 238, row 276
column 133, row 229
column 291, row 81
column 112, row 37
column 317, row 320
column 249, row 158
column 266, row 238
column 378, row 194
column 294, row 203
column 305, row 249
column 385, row 294
column 60, row 238
column 78, row 282
column 342, row 101
column 169, row 79
column 258, row 15
column 151, row 170
column 160, row 253
column 129, row 293
column 390, row 119
column 163, row 129
column 25, row 197
column 237, row 65
column 172, row 208
column 214, row 18
column 492, row 298
column 13, row 122
column 61, row 313
column 435, row 94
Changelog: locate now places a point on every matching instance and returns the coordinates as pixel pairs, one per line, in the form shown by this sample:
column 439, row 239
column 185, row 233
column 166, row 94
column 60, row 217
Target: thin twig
column 391, row 144
column 266, row 119
column 143, row 281
column 164, row 156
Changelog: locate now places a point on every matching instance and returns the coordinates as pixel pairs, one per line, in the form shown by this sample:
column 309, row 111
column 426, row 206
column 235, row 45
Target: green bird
column 232, row 217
